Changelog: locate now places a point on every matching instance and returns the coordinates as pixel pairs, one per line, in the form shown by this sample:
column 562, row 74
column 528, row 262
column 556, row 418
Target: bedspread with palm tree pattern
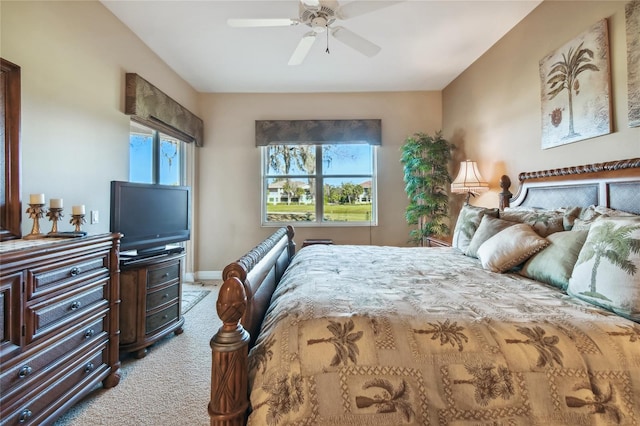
column 366, row 335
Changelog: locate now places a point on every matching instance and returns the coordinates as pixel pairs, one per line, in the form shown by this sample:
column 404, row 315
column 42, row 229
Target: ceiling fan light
column 319, row 25
column 311, row 4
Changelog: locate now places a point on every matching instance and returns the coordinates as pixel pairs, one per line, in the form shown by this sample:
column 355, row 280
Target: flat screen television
column 150, row 216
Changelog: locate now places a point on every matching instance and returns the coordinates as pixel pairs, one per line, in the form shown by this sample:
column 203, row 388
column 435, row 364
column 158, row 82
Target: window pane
column 290, row 200
column 350, row 159
column 347, row 200
column 290, row 160
column 344, row 176
column 140, row 154
column 170, row 161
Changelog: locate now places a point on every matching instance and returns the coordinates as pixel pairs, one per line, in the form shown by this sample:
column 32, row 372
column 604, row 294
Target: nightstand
column 433, row 241
column 312, row 241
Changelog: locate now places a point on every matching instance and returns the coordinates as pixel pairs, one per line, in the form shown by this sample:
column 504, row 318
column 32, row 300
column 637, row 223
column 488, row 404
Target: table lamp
column 469, row 180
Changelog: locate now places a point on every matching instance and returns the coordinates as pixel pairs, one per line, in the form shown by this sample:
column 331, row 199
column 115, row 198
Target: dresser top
column 14, row 245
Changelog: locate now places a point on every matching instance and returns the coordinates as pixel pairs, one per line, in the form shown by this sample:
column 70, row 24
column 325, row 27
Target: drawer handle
column 24, row 371
column 89, row 333
column 166, row 295
column 165, row 275
column 75, row 271
column 75, row 305
column 25, row 415
column 89, row 367
column 165, row 316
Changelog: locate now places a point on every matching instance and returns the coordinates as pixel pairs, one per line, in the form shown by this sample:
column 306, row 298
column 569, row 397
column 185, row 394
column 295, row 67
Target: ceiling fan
column 320, row 15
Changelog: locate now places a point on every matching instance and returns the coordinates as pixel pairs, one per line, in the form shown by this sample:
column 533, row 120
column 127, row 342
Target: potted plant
column 425, row 161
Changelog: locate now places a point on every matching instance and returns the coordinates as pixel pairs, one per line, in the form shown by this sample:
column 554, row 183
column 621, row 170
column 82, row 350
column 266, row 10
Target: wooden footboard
column 242, row 302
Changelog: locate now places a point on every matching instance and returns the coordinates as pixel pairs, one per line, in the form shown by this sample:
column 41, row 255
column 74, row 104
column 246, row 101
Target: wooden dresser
column 59, row 301
column 151, row 290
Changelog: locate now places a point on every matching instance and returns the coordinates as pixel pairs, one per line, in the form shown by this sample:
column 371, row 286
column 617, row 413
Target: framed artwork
column 632, row 16
column 576, row 90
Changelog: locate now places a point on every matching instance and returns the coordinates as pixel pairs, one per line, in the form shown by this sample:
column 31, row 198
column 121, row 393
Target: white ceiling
column 425, row 43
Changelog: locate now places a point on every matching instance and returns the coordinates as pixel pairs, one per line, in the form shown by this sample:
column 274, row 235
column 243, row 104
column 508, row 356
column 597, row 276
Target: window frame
column 319, row 178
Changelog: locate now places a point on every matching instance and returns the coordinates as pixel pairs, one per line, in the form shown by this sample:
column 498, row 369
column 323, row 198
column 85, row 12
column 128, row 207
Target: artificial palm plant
column 425, row 160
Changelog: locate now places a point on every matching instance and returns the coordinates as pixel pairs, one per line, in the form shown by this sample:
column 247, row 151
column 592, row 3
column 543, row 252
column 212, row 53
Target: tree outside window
column 319, row 184
column 155, row 157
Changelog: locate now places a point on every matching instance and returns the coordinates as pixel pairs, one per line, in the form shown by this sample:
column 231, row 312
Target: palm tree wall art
column 632, row 17
column 575, row 89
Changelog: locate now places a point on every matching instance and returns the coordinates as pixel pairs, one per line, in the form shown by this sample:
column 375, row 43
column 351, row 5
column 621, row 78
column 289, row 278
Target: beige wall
column 492, row 110
column 75, row 137
column 229, row 165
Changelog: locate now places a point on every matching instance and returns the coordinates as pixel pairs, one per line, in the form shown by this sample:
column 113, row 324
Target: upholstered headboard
column 614, row 184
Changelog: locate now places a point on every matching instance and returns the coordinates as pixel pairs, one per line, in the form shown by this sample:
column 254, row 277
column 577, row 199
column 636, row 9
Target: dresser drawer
column 161, row 318
column 23, row 373
column 50, row 315
column 33, row 409
column 10, row 314
column 160, row 297
column 163, row 274
column 52, row 277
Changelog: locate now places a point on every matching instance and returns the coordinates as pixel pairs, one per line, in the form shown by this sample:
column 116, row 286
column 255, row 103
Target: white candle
column 77, row 209
column 55, row 203
column 36, row 199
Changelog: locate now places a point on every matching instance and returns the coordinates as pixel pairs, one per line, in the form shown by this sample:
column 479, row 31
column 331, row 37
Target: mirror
column 11, row 209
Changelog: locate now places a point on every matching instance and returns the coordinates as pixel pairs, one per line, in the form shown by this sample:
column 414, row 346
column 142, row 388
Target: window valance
column 152, row 107
column 316, row 132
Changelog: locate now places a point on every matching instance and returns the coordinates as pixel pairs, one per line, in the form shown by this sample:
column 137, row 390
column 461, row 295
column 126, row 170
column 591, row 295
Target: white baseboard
column 206, row 275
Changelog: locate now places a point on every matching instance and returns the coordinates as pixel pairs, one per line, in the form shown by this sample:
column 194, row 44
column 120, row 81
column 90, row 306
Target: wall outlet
column 94, row 216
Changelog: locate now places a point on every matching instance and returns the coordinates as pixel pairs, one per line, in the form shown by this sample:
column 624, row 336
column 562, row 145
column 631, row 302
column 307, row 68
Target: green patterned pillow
column 554, row 264
column 467, row 223
column 544, row 222
column 590, row 214
column 489, row 226
column 607, row 272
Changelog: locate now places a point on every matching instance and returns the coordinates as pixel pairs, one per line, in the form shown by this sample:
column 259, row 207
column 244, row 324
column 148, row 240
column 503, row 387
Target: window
column 155, row 157
column 328, row 184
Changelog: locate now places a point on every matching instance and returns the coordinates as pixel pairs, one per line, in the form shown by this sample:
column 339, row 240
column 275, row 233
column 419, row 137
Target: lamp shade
column 469, row 179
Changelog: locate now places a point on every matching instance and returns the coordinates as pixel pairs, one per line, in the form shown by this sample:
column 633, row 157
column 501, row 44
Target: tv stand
column 135, row 256
column 150, row 293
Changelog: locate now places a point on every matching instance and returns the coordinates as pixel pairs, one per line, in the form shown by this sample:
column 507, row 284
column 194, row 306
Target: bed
column 509, row 326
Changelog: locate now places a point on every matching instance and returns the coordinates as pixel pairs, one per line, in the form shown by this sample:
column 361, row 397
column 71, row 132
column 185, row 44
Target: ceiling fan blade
column 303, row 48
column 242, row 23
column 357, row 8
column 356, row 42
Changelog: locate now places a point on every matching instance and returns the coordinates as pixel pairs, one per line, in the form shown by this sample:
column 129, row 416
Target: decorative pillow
column 592, row 213
column 606, row 211
column 544, row 222
column 468, row 221
column 489, row 226
column 510, row 247
column 607, row 272
column 569, row 217
column 554, row 264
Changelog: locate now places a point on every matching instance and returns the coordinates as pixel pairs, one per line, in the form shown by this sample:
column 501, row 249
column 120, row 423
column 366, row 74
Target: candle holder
column 54, row 214
column 36, row 212
column 77, row 220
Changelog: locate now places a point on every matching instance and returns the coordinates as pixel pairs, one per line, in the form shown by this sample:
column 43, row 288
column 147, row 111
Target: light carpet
column 191, row 297
column 170, row 386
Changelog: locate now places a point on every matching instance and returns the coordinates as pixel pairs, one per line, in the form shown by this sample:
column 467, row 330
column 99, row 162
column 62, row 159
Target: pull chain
column 327, row 40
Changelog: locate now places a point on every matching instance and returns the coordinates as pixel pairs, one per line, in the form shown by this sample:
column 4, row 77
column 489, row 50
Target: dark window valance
column 152, row 107
column 316, row 132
